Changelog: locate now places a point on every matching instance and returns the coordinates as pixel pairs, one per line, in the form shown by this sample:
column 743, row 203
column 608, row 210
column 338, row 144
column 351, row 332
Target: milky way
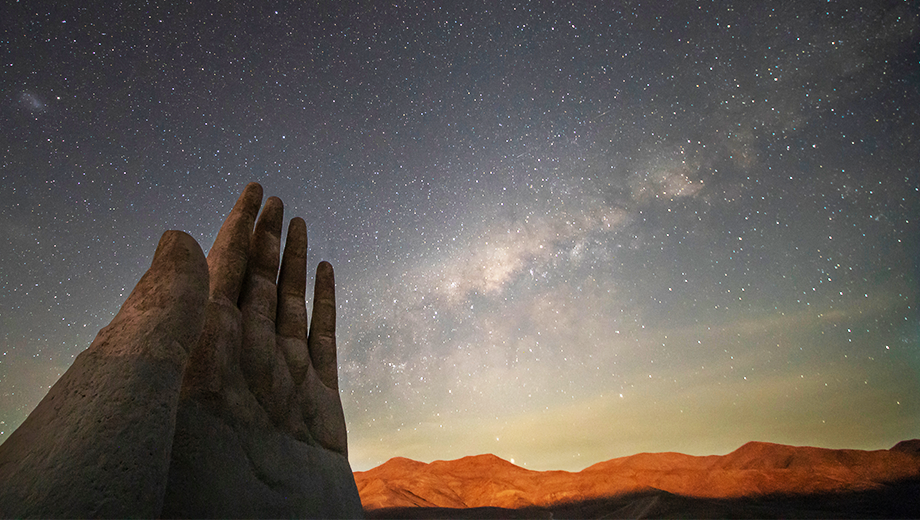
column 562, row 232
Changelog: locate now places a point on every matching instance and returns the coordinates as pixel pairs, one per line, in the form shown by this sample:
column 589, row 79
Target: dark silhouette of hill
column 758, row 480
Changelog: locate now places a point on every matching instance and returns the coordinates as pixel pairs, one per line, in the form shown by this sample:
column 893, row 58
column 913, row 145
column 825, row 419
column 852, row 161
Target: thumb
column 167, row 306
column 98, row 444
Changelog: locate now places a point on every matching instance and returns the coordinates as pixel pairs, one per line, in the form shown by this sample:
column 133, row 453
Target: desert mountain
column 757, row 469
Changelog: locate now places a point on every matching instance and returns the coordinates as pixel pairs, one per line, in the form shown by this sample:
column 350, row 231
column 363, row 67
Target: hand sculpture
column 205, row 396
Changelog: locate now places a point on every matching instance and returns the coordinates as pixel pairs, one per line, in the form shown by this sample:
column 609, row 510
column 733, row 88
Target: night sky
column 562, row 231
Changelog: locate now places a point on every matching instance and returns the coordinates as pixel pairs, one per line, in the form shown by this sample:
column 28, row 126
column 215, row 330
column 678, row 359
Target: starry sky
column 562, row 231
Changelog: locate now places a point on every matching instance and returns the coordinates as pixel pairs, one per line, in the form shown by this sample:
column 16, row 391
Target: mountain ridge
column 756, row 469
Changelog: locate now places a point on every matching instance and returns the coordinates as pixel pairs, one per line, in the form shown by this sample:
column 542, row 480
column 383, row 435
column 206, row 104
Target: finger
column 259, row 293
column 217, row 353
column 292, row 308
column 167, row 304
column 258, row 302
column 321, row 342
column 227, row 259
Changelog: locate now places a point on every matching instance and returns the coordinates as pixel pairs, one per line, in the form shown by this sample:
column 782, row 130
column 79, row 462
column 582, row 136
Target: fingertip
column 229, row 254
column 324, row 271
column 253, row 188
column 265, row 243
column 295, row 248
column 177, row 251
column 324, row 285
column 167, row 305
column 271, row 219
column 180, row 254
column 297, row 239
column 298, row 224
column 249, row 200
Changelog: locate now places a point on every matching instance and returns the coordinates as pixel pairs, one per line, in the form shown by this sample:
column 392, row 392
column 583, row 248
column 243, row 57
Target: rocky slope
column 757, row 469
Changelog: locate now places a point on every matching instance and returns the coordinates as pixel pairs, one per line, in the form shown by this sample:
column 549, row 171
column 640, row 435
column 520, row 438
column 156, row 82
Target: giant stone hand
column 199, row 399
column 259, row 428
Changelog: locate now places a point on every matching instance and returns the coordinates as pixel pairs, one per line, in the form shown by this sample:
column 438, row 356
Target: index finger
column 229, row 255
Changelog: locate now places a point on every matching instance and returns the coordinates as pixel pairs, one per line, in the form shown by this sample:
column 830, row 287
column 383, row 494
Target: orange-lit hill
column 755, row 470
